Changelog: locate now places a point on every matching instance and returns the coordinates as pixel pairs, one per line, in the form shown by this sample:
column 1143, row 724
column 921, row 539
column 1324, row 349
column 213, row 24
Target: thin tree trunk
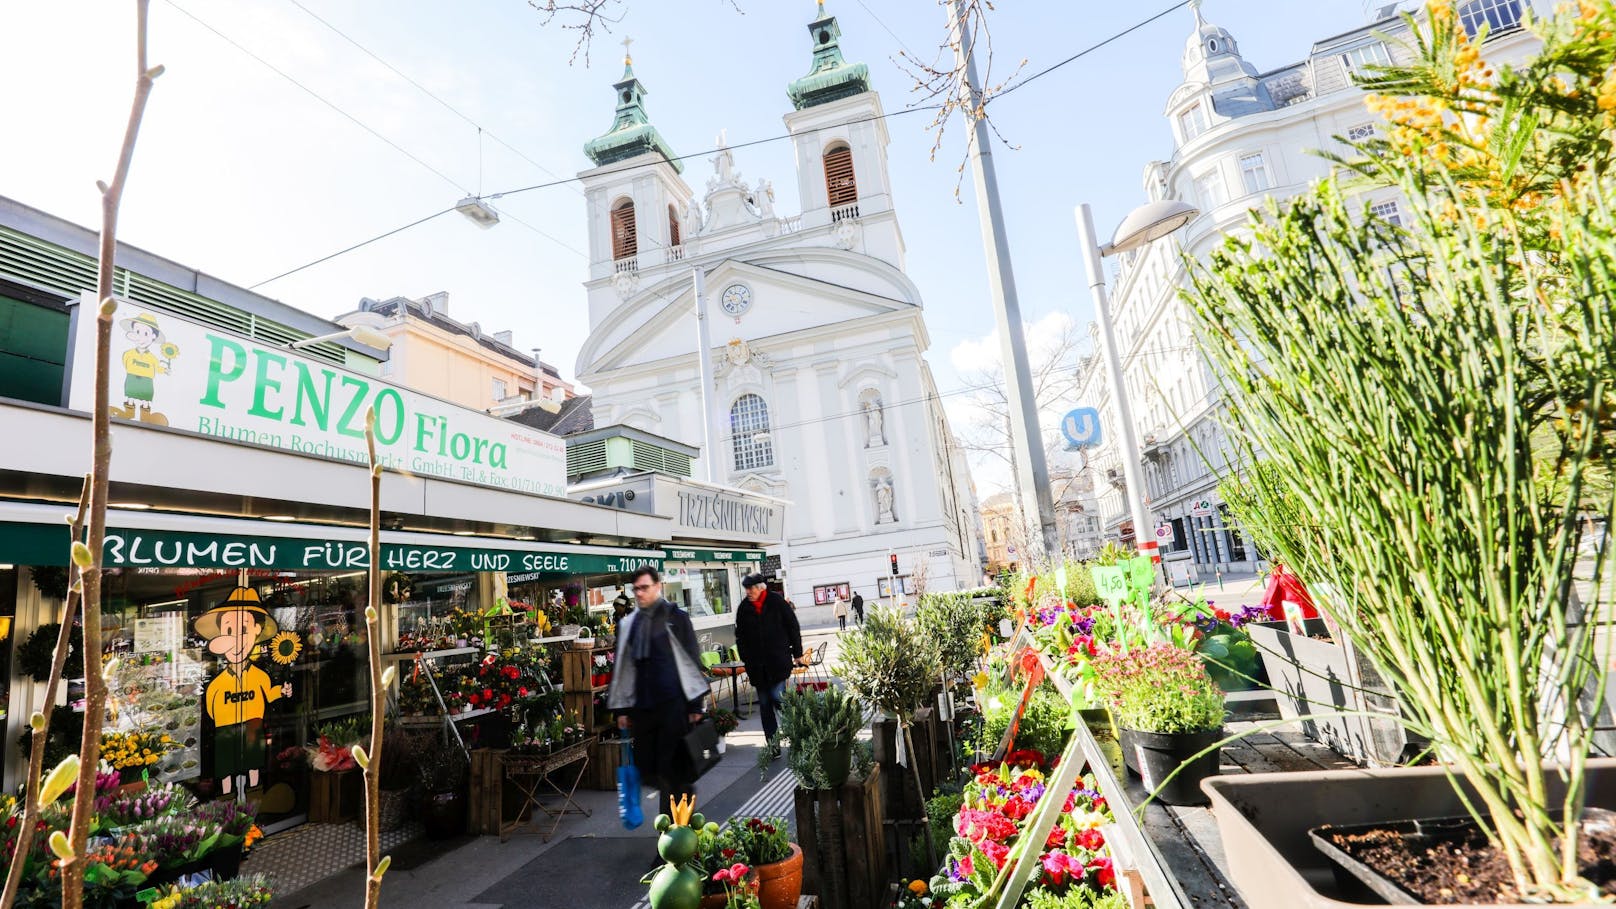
column 40, row 722
column 95, row 687
column 373, row 768
column 920, row 789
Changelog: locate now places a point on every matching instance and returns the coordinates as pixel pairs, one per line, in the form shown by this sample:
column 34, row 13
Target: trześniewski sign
column 169, row 371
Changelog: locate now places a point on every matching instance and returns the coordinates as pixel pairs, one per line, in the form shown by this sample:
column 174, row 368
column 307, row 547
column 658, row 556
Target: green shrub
column 1073, row 898
column 1044, row 726
column 880, row 663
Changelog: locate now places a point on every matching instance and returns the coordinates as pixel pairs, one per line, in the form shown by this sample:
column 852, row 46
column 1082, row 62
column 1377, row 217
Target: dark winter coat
column 768, row 643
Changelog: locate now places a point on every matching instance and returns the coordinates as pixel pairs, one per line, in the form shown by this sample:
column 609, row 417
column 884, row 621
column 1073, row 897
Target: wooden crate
column 576, row 668
column 335, row 798
column 843, row 844
column 487, row 803
column 581, row 704
column 605, row 756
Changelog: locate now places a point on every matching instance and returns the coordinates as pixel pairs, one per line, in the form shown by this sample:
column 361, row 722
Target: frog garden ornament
column 677, row 885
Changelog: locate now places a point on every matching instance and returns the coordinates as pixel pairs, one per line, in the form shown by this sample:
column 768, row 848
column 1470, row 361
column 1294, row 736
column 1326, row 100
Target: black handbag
column 701, row 746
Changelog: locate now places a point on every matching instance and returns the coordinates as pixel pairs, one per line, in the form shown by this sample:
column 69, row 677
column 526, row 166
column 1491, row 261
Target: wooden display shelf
column 432, row 654
column 437, row 718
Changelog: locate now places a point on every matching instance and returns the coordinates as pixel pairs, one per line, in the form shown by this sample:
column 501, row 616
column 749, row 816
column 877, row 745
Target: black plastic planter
column 1154, row 756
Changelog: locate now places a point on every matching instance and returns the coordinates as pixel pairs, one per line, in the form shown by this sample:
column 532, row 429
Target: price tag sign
column 1111, row 581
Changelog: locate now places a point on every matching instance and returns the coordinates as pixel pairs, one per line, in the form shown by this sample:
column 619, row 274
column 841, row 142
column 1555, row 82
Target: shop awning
column 32, row 534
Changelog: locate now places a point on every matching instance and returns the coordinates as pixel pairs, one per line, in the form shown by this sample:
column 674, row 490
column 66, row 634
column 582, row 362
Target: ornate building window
column 749, row 428
column 673, row 227
column 1497, row 15
column 1360, row 58
column 841, row 186
column 1254, row 172
column 1192, row 122
column 885, row 496
column 625, row 240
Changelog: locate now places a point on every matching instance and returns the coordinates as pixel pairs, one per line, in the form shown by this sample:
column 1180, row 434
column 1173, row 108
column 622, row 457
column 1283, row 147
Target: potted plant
column 442, row 773
column 401, row 750
column 335, row 786
column 775, row 862
column 819, row 728
column 1168, row 711
column 1436, row 398
column 725, row 722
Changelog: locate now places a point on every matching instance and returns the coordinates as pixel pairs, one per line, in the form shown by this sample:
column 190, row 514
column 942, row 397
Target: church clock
column 736, row 299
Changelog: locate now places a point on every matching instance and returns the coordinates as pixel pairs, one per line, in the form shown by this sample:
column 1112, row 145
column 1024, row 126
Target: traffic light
column 893, row 558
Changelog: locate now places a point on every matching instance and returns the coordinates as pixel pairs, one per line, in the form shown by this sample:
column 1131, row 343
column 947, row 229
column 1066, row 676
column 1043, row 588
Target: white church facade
column 822, row 396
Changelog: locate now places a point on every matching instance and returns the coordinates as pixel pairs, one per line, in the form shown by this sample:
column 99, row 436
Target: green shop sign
column 170, row 371
column 712, row 555
column 41, row 544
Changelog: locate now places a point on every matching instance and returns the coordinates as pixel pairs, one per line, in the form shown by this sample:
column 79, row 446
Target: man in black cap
column 770, row 643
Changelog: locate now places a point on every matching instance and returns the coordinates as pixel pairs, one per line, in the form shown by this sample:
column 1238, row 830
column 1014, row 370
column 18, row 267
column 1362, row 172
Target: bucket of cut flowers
column 1167, row 711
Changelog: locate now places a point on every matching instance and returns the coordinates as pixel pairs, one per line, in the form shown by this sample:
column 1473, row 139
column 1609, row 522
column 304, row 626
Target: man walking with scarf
column 658, row 688
column 770, row 643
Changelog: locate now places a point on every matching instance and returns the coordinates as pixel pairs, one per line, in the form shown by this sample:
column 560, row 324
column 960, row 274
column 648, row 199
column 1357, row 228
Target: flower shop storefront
column 238, row 648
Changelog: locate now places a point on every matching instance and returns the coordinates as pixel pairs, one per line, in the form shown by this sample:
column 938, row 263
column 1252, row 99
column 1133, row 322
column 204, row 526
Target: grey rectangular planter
column 1263, row 821
column 1312, row 678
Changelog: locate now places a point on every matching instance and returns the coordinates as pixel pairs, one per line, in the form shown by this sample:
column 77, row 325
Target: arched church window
column 749, row 428
column 673, row 227
column 625, row 240
column 841, row 186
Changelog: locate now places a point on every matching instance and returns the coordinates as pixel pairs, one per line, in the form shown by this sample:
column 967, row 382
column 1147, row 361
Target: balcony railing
column 791, row 225
column 848, row 212
column 676, row 253
column 626, row 264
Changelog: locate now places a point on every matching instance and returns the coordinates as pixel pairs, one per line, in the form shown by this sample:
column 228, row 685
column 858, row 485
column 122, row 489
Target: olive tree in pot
column 1437, row 398
column 443, row 773
column 887, row 664
column 819, row 728
column 1169, row 716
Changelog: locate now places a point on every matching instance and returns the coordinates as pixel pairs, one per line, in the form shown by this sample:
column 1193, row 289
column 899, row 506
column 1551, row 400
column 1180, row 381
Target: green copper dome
column 831, row 78
column 632, row 133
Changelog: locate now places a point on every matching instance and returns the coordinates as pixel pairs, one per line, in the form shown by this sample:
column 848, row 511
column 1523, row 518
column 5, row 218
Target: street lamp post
column 1144, row 224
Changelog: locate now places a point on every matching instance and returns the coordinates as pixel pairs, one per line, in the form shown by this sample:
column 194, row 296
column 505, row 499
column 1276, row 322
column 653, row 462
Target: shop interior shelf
column 436, row 719
column 558, row 639
column 433, row 654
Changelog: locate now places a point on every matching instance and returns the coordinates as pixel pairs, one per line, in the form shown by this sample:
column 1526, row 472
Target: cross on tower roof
column 627, row 57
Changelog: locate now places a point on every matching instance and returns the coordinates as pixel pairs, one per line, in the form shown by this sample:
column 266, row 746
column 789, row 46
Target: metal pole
column 1026, row 440
column 710, row 434
column 1143, row 532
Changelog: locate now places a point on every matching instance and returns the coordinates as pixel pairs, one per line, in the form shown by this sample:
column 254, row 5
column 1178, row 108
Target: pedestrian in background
column 839, row 610
column 858, row 607
column 658, row 688
column 770, row 644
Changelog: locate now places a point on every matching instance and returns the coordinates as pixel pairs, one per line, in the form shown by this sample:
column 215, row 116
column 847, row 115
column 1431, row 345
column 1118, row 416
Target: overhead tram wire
column 345, row 251
column 566, row 181
column 423, row 89
column 322, row 99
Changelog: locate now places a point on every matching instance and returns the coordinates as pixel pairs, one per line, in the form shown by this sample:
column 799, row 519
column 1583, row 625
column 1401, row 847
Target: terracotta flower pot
column 713, row 901
column 780, row 883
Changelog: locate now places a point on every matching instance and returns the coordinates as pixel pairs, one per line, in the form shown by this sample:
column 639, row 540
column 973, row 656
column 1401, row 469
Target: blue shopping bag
column 628, row 789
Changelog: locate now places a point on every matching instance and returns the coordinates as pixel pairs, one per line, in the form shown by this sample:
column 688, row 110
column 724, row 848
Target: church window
column 1209, row 188
column 1496, row 15
column 625, row 240
column 1254, row 171
column 1365, row 55
column 749, row 427
column 1192, row 122
column 841, row 186
column 673, row 227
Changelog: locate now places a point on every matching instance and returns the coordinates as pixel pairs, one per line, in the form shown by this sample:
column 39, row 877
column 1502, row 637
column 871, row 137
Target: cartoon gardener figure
column 237, row 696
column 141, row 364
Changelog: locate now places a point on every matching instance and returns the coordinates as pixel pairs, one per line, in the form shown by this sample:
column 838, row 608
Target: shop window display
column 701, row 591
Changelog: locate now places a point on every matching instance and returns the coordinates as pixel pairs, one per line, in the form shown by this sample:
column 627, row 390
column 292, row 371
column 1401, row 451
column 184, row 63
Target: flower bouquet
column 131, row 753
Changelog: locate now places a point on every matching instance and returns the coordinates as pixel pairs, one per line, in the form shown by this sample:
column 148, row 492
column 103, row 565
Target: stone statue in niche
column 885, row 509
column 874, row 423
column 691, row 219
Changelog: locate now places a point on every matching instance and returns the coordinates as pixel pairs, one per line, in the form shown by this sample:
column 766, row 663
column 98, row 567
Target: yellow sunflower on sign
column 284, row 647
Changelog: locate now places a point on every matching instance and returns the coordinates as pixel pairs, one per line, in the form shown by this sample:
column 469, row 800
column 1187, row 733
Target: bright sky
column 243, row 174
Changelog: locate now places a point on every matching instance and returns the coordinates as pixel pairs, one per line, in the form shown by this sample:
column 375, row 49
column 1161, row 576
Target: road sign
column 1165, row 535
column 1081, row 427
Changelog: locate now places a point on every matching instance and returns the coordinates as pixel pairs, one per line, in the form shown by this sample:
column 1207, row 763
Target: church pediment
column 747, row 301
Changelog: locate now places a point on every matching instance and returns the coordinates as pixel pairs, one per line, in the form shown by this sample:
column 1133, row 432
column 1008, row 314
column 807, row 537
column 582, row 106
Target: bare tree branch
column 943, row 82
column 89, row 559
column 586, row 16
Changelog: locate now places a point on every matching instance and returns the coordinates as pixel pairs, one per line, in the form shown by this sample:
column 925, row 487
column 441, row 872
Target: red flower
column 1103, row 875
column 1091, row 839
column 511, row 672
